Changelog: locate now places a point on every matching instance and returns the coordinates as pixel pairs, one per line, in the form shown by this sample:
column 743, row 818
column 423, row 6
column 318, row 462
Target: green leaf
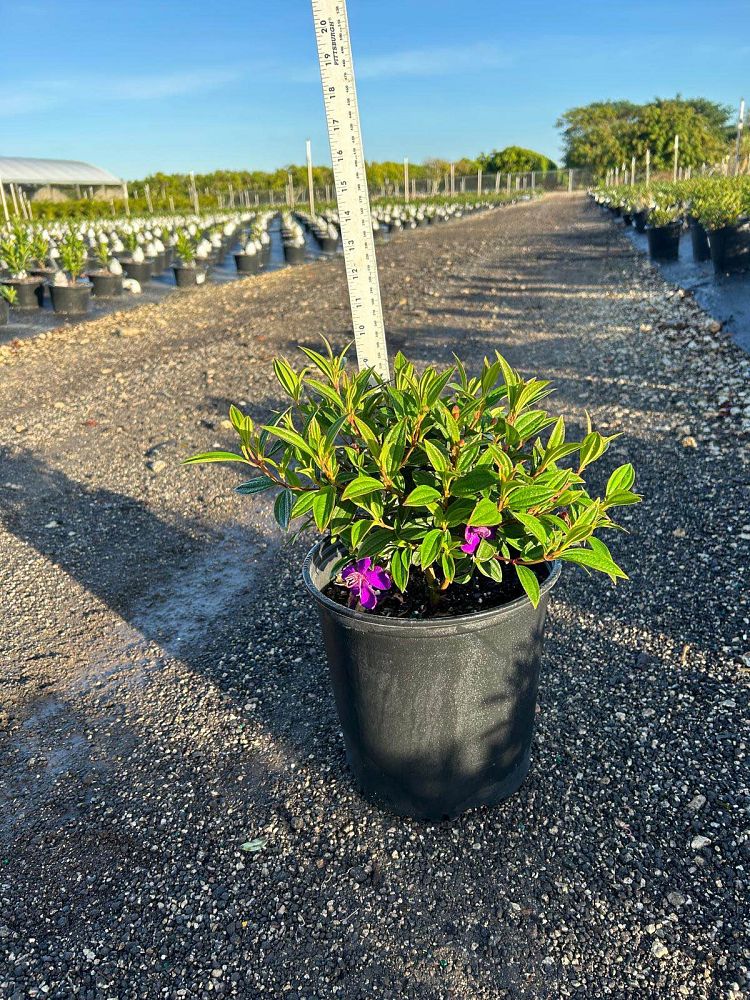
column 400, row 562
column 492, row 569
column 290, row 437
column 533, row 525
column 303, row 503
column 282, row 508
column 361, row 486
column 437, row 458
column 529, row 496
column 375, row 542
column 430, row 547
column 481, row 478
column 422, row 496
column 530, row 584
column 621, row 480
column 485, row 514
column 459, row 512
column 594, row 560
column 358, row 531
column 448, row 564
column 215, row 456
column 289, row 380
column 323, row 505
column 255, row 485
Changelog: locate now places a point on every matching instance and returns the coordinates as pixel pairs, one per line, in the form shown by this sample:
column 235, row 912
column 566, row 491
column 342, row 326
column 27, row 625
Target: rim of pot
column 465, row 622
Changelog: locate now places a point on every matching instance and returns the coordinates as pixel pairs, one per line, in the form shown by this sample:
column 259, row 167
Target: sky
column 146, row 85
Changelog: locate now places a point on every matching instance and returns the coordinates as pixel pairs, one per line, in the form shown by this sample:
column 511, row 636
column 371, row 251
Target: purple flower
column 365, row 581
column 474, row 536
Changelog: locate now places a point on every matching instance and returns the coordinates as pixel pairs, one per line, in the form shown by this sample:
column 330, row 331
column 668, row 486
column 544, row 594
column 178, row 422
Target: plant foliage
column 404, row 471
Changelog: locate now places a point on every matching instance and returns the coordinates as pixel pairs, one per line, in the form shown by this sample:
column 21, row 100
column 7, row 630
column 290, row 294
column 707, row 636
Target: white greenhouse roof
column 29, row 170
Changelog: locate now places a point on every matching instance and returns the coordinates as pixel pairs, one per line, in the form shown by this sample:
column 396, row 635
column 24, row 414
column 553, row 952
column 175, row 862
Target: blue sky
column 145, row 85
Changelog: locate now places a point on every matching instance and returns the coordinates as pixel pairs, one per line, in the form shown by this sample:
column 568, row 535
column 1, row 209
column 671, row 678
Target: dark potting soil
column 479, row 594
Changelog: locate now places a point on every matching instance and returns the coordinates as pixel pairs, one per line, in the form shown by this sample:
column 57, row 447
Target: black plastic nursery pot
column 730, row 248
column 328, row 244
column 141, row 271
column 4, row 312
column 105, row 285
column 29, row 292
column 187, row 276
column 639, row 220
column 664, row 241
column 70, row 300
column 437, row 714
column 294, row 255
column 247, row 263
column 699, row 241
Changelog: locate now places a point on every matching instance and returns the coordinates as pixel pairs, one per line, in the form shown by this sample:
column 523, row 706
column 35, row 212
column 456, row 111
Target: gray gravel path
column 164, row 697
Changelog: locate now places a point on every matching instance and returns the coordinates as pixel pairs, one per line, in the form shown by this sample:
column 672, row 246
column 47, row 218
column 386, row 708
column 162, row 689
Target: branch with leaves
column 442, row 473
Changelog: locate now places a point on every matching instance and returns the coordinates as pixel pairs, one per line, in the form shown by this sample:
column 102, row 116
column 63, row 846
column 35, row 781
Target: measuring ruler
column 345, row 137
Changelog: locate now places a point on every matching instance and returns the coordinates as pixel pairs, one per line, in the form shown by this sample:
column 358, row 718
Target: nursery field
column 176, row 813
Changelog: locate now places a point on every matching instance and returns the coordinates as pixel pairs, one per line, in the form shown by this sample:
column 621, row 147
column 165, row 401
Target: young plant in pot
column 40, row 261
column 722, row 211
column 445, row 518
column 187, row 274
column 8, row 296
column 105, row 282
column 70, row 296
column 135, row 264
column 15, row 252
column 663, row 232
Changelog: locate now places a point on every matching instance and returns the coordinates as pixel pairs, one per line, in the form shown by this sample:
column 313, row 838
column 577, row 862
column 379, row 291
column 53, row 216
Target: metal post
column 740, row 126
column 4, row 202
column 310, row 192
column 194, row 193
column 479, row 181
column 533, row 180
column 406, row 179
column 453, row 179
column 171, row 204
column 632, row 170
column 676, row 157
column 648, row 167
column 147, row 189
column 570, row 180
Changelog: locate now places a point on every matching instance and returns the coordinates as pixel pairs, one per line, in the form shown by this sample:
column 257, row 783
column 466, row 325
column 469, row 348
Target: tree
column 515, row 159
column 607, row 134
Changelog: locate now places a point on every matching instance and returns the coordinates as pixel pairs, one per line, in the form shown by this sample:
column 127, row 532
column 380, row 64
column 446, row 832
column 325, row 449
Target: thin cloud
column 44, row 95
column 437, row 61
column 441, row 61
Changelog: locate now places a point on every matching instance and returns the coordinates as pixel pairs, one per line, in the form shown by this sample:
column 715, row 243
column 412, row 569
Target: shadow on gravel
column 182, row 591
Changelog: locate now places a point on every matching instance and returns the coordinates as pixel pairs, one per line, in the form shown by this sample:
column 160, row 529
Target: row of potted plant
column 75, row 262
column 715, row 210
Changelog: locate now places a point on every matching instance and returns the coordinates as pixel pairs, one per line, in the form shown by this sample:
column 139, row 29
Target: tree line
column 607, row 134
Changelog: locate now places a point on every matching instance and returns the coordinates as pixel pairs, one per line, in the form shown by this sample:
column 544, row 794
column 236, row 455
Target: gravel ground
column 164, row 692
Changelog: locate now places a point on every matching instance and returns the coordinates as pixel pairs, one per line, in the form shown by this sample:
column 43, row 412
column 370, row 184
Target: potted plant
column 187, row 274
column 723, row 211
column 248, row 260
column 8, row 296
column 69, row 295
column 39, row 250
column 15, row 251
column 135, row 264
column 445, row 519
column 105, row 282
column 663, row 232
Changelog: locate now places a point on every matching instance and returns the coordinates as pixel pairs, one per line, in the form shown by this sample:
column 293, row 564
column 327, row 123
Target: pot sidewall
column 437, row 715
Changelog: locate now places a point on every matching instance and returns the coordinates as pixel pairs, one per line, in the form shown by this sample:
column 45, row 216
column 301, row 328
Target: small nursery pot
column 70, row 300
column 142, row 271
column 328, row 244
column 4, row 312
column 247, row 263
column 664, row 241
column 699, row 241
column 29, row 292
column 639, row 220
column 437, row 714
column 188, row 276
column 294, row 255
column 159, row 263
column 730, row 248
column 105, row 285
